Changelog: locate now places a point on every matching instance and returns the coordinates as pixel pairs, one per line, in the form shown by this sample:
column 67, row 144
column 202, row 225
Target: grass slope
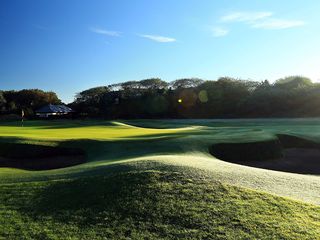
column 157, row 182
column 150, row 204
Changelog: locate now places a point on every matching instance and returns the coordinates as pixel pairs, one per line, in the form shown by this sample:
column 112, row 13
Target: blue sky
column 69, row 46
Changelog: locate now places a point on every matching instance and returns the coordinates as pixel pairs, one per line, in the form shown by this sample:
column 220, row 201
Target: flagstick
column 22, row 115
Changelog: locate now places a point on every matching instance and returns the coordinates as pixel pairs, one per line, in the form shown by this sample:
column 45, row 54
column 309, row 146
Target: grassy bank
column 150, row 204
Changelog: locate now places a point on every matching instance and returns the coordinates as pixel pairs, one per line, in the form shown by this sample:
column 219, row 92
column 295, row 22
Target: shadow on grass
column 163, row 204
column 27, row 153
column 123, row 196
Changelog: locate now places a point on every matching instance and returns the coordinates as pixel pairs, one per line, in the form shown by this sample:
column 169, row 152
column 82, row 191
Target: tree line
column 226, row 97
column 28, row 100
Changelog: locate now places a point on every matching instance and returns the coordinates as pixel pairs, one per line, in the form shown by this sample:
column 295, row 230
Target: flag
column 22, row 113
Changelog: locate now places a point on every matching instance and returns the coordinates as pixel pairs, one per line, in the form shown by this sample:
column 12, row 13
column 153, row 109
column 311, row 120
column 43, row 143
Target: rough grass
column 151, row 205
column 156, row 182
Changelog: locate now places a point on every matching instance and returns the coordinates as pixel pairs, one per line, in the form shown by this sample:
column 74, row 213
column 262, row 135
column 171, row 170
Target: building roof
column 54, row 109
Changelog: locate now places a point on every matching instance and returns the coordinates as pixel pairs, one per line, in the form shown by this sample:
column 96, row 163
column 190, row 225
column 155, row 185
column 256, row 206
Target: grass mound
column 150, row 204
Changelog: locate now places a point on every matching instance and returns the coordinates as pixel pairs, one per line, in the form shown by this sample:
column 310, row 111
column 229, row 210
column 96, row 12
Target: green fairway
column 59, row 131
column 156, row 179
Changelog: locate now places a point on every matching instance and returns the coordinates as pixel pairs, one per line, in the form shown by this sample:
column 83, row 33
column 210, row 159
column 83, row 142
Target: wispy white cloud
column 158, row 38
column 105, row 32
column 262, row 20
column 278, row 24
column 245, row 16
column 219, row 31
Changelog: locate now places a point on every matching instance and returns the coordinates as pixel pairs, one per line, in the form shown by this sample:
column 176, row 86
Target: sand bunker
column 286, row 153
column 36, row 157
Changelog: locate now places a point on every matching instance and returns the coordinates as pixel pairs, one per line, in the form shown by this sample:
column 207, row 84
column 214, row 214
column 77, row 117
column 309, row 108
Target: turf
column 60, row 130
column 150, row 204
column 156, row 180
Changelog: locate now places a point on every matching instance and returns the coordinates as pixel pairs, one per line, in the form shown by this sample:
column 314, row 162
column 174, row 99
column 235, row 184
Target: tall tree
column 2, row 102
column 186, row 83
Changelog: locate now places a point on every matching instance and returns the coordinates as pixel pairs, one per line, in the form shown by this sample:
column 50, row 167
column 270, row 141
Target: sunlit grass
column 59, row 132
column 152, row 204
